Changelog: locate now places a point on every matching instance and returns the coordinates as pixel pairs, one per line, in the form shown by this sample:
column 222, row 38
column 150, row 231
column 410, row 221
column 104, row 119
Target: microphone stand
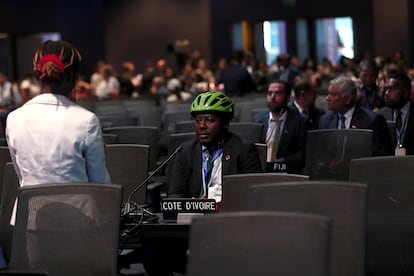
column 163, row 163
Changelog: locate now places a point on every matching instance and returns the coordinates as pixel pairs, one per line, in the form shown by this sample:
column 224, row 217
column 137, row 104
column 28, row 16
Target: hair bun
column 51, row 67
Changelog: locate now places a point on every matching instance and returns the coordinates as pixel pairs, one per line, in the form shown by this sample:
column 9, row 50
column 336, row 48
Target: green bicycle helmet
column 213, row 102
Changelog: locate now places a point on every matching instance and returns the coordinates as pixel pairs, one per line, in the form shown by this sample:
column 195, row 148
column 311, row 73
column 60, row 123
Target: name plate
column 276, row 167
column 188, row 205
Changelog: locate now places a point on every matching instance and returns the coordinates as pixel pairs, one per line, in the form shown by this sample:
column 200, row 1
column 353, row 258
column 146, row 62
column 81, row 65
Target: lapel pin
column 227, row 157
column 353, row 126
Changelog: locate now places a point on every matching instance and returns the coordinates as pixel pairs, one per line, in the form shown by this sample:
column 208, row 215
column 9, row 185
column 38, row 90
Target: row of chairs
column 328, row 152
column 344, row 203
column 384, row 199
column 371, row 214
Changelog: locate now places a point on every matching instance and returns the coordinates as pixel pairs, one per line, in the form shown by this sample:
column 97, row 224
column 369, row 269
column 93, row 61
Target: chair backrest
column 149, row 115
column 184, row 126
column 119, row 120
column 262, row 149
column 244, row 109
column 344, row 202
column 170, row 117
column 128, row 166
column 67, row 229
column 252, row 132
column 236, row 187
column 139, row 135
column 9, row 193
column 390, row 220
column 4, row 158
column 109, row 138
column 259, row 243
column 329, row 151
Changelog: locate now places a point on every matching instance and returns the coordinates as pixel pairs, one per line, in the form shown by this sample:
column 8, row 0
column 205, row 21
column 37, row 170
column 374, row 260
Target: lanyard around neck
column 209, row 170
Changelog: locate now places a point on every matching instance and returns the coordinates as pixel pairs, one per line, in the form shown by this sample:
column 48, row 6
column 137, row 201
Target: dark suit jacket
column 292, row 145
column 186, row 176
column 364, row 119
column 237, row 80
column 408, row 139
column 314, row 115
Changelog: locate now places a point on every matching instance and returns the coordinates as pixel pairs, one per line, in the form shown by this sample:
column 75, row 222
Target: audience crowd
column 236, row 77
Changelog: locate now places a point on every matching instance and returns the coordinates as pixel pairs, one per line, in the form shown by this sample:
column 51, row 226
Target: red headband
column 53, row 58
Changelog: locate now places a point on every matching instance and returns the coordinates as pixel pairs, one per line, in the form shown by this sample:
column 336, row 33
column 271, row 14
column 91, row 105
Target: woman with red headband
column 52, row 139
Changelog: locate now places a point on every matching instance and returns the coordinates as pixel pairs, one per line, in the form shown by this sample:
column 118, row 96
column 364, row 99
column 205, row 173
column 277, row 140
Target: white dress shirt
column 53, row 140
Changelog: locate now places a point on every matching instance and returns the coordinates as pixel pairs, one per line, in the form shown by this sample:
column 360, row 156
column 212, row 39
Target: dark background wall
column 140, row 30
column 79, row 21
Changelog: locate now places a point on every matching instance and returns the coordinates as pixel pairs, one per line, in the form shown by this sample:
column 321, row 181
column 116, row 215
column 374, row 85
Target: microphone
column 163, row 163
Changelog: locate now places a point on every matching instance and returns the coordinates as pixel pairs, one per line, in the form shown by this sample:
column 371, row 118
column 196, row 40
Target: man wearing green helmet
column 201, row 164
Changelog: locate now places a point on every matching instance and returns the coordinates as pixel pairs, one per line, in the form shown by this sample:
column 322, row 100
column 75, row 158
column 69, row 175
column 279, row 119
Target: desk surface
column 133, row 232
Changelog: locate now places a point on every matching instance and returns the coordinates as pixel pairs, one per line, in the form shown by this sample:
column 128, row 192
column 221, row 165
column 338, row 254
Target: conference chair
column 142, row 135
column 9, row 193
column 118, row 120
column 344, row 202
column 150, row 115
column 128, row 166
column 177, row 106
column 329, row 151
column 262, row 149
column 248, row 131
column 170, row 117
column 137, row 103
column 390, row 221
column 184, row 126
column 4, row 158
column 102, row 107
column 67, row 229
column 244, row 109
column 259, row 243
column 109, row 138
column 235, row 188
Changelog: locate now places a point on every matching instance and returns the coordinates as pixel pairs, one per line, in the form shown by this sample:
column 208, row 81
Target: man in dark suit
column 397, row 98
column 346, row 113
column 198, row 173
column 200, row 165
column 236, row 79
column 284, row 129
column 369, row 92
column 304, row 103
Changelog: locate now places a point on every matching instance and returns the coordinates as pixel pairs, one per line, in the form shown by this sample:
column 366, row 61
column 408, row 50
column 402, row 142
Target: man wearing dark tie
column 284, row 129
column 345, row 113
column 400, row 109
